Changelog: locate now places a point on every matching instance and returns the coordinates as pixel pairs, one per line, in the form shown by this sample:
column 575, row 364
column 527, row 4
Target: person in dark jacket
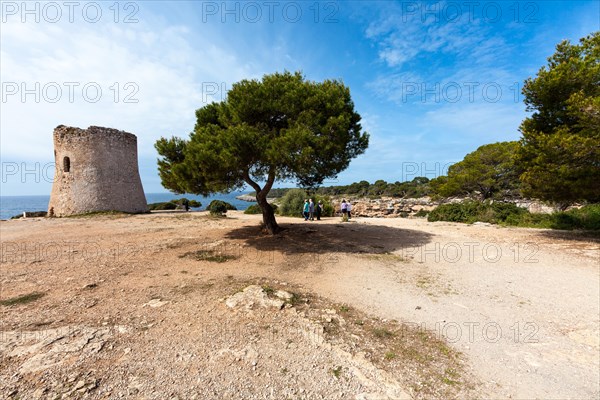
column 319, row 210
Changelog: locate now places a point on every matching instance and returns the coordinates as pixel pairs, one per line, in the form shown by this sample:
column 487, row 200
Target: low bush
column 191, row 203
column 421, row 213
column 473, row 211
column 328, row 210
column 255, row 209
column 292, row 203
column 587, row 217
column 169, row 205
column 173, row 204
column 453, row 212
column 219, row 207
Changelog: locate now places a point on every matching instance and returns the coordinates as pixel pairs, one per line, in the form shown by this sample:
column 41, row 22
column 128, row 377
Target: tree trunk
column 268, row 214
column 261, row 198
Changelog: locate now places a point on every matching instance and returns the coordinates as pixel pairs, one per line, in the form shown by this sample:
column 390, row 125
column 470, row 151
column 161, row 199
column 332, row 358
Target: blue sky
column 432, row 81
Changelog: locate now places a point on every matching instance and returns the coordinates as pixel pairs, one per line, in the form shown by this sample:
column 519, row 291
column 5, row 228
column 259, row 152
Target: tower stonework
column 96, row 170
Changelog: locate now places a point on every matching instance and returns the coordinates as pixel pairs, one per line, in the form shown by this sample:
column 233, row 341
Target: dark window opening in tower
column 66, row 164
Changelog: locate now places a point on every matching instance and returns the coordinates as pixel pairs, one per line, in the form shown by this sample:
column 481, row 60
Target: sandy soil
column 131, row 306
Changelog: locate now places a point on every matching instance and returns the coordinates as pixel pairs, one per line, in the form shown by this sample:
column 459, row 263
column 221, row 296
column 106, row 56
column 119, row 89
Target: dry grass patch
column 386, row 257
column 208, row 255
column 23, row 299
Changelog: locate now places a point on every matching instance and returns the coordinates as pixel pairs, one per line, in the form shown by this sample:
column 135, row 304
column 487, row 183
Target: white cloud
column 151, row 78
column 395, row 87
column 403, row 37
column 430, row 62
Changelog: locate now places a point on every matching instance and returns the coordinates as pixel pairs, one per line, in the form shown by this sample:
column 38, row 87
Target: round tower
column 96, row 170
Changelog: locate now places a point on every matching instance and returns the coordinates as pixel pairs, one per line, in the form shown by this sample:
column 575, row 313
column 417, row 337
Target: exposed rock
column 90, row 286
column 479, row 223
column 387, row 206
column 535, row 207
column 154, row 303
column 44, row 349
column 252, row 199
column 283, row 295
column 253, row 297
column 390, row 207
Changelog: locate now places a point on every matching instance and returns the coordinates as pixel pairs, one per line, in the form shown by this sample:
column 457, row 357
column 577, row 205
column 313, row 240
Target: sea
column 16, row 205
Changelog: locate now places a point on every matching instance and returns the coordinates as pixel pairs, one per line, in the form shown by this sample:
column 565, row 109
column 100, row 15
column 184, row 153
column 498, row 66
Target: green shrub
column 168, row 205
column 502, row 211
column 173, row 204
column 473, row 211
column 452, row 212
column 530, row 220
column 191, row 203
column 219, row 207
column 421, row 213
column 292, row 203
column 587, row 217
column 565, row 220
column 255, row 209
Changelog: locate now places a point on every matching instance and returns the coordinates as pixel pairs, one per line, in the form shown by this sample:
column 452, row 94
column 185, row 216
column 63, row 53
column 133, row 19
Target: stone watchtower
column 96, row 170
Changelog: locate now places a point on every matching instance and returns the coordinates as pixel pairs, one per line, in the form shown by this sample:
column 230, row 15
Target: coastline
column 15, row 205
column 251, row 199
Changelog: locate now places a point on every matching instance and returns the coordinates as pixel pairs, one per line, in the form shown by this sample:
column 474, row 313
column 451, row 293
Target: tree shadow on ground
column 577, row 236
column 324, row 237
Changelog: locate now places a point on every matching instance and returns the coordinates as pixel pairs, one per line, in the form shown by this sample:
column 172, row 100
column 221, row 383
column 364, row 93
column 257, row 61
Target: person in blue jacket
column 306, row 210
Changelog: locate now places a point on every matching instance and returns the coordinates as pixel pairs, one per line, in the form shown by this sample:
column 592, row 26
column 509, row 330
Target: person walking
column 344, row 208
column 319, row 210
column 349, row 209
column 305, row 210
column 311, row 210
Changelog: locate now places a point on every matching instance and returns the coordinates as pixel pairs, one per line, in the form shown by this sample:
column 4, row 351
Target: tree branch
column 271, row 178
column 250, row 182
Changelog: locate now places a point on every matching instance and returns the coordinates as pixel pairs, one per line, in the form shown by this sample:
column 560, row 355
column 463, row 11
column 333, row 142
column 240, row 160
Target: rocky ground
column 182, row 305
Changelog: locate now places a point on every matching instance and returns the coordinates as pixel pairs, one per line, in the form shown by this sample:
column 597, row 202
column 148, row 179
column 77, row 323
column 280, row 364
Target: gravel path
column 523, row 304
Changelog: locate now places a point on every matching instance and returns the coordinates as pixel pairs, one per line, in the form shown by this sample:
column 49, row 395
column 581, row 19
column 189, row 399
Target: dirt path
column 522, row 305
